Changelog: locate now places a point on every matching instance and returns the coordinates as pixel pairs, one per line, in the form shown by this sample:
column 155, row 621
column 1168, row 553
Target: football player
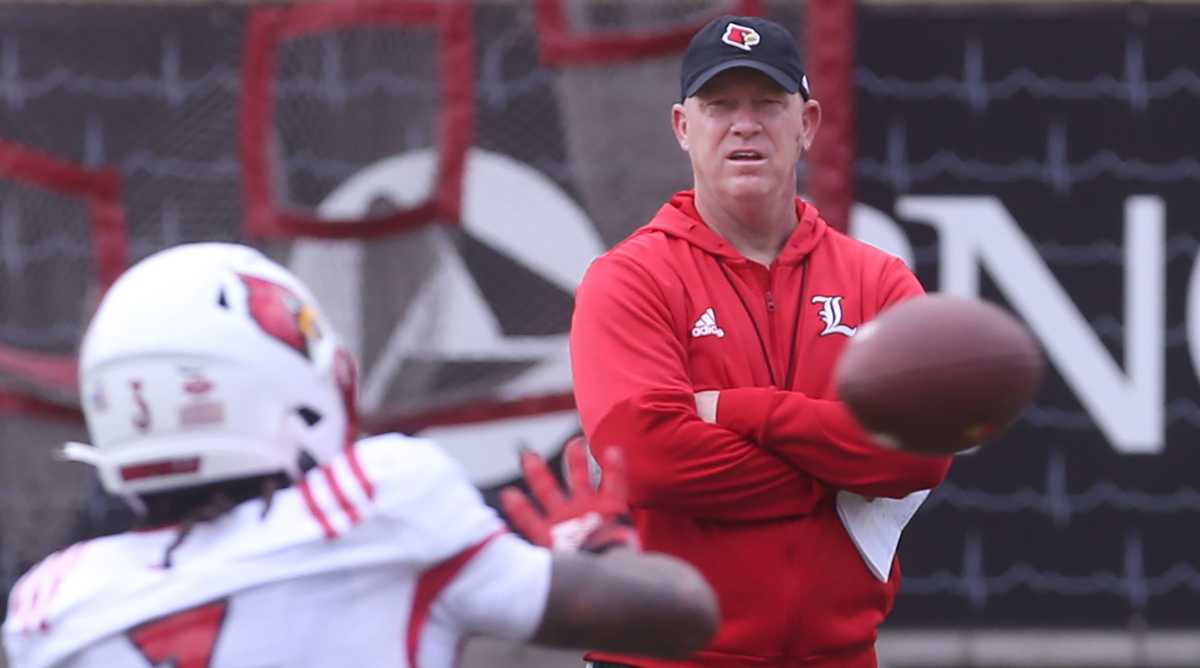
column 221, row 406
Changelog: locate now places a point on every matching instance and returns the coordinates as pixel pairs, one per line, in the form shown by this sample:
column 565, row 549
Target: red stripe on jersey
column 14, row 599
column 37, row 586
column 30, row 585
column 342, row 500
column 19, row 604
column 359, row 474
column 34, row 612
column 316, row 511
column 65, row 563
column 431, row 584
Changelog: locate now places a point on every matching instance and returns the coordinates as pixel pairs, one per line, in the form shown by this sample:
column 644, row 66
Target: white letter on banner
column 872, row 226
column 978, row 232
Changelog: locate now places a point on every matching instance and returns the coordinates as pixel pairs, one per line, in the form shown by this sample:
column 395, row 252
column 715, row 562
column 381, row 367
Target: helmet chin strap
column 296, row 433
column 346, row 373
column 135, row 502
column 305, row 461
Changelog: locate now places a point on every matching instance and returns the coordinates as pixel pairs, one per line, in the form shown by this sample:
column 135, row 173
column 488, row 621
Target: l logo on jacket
column 831, row 315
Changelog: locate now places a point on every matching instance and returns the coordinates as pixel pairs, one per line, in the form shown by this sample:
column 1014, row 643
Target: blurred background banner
column 443, row 172
column 1048, row 160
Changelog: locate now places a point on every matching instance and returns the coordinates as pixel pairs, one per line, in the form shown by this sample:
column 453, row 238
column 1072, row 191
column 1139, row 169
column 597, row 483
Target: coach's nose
column 745, row 124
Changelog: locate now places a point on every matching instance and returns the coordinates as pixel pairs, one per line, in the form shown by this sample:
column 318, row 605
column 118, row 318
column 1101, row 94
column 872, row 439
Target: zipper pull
column 770, row 302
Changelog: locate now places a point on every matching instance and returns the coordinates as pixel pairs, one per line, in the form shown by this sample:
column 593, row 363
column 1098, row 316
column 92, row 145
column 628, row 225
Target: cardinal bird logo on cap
column 280, row 313
column 740, row 36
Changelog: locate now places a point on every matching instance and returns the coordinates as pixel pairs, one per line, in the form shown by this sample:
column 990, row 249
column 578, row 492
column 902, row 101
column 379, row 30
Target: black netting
column 623, row 16
column 47, row 268
column 348, row 98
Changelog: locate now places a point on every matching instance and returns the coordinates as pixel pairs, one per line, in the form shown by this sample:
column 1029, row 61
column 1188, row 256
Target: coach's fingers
column 542, row 482
column 576, row 457
column 523, row 517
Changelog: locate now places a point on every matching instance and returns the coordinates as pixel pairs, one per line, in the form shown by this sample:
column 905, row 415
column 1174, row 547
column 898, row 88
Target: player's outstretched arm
column 627, row 602
column 604, row 593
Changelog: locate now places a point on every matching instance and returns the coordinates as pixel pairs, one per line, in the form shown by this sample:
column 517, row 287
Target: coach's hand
column 588, row 520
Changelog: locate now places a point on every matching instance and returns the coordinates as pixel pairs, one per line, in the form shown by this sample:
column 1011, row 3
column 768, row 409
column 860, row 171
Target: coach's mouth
column 745, row 156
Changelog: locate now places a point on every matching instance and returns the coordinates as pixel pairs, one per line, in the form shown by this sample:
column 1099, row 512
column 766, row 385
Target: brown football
column 938, row 374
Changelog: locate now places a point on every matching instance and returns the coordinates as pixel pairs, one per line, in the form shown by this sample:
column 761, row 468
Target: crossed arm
column 766, row 453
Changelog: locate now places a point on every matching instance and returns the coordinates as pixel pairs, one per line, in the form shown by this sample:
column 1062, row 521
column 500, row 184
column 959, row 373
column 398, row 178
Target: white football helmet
column 207, row 362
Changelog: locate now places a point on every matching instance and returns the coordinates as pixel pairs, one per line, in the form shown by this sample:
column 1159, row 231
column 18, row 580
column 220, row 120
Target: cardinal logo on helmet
column 282, row 314
column 740, row 36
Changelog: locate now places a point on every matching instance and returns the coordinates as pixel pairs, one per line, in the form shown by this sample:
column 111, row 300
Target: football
column 937, row 374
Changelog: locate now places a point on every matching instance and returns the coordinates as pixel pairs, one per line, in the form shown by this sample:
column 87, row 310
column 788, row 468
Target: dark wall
column 1062, row 116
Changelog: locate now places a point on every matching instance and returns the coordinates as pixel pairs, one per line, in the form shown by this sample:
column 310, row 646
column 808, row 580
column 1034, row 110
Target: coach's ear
column 810, row 122
column 679, row 124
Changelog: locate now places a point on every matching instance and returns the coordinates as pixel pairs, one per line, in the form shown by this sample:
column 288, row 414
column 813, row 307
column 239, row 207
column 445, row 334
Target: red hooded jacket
column 673, row 310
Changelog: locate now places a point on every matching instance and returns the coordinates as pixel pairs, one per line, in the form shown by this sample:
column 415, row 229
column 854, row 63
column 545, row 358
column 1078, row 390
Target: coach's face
column 744, row 135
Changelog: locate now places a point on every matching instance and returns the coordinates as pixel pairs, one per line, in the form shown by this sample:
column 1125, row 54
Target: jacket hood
column 679, row 218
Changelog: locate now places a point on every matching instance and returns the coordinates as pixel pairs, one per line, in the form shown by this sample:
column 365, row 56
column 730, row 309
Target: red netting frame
column 830, row 34
column 559, row 45
column 469, row 412
column 831, row 38
column 101, row 191
column 267, row 218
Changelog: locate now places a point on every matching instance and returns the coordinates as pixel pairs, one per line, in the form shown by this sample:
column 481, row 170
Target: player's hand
column 706, row 405
column 588, row 520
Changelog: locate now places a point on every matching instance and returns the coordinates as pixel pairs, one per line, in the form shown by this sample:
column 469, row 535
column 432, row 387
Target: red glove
column 589, row 521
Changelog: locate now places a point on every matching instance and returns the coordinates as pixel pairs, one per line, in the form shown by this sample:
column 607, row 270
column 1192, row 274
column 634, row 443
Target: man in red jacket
column 704, row 345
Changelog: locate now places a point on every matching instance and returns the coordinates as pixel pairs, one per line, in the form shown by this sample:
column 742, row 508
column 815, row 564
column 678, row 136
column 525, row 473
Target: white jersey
column 386, row 556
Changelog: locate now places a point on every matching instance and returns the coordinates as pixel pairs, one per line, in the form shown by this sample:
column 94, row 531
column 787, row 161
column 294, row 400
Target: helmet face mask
column 209, row 362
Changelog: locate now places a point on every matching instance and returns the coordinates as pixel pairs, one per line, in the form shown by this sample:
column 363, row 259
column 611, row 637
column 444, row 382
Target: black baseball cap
column 743, row 41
